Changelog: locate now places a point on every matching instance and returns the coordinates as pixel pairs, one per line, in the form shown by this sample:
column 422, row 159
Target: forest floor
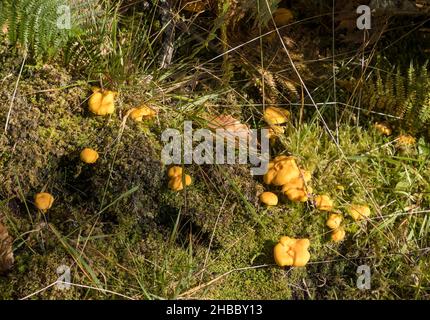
column 124, row 234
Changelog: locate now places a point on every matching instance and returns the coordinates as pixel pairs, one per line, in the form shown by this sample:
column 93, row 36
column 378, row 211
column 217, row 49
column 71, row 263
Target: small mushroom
column 405, row 140
column 102, row 101
column 174, row 171
column 89, row 155
column 291, row 252
column 275, row 115
column 324, row 203
column 358, row 212
column 281, row 171
column 383, row 128
column 334, row 221
column 338, row 234
column 43, row 201
column 175, row 183
column 274, row 132
column 141, row 113
column 296, row 189
column 269, row 198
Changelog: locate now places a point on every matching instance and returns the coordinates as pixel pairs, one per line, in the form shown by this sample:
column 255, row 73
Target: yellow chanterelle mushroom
column 334, row 221
column 358, row 212
column 292, row 252
column 141, row 113
column 269, row 198
column 175, row 175
column 281, row 170
column 43, row 201
column 338, row 234
column 102, row 101
column 275, row 115
column 89, row 155
column 324, row 203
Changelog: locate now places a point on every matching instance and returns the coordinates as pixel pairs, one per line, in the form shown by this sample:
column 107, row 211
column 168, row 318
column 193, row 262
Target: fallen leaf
column 233, row 127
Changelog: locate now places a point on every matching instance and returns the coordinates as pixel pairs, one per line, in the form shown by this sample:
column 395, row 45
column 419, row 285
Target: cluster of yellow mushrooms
column 403, row 141
column 294, row 183
column 101, row 103
column 177, row 179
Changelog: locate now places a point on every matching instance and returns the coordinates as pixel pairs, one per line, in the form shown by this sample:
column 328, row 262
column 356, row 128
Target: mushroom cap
column 89, row 155
column 283, row 16
column 275, row 131
column 174, row 171
column 281, row 171
column 296, row 190
column 291, row 252
column 275, row 115
column 383, row 128
column 43, row 201
column 269, row 198
column 405, row 140
column 143, row 112
column 176, row 184
column 101, row 102
column 358, row 212
column 334, row 221
column 324, row 203
column 297, row 195
column 338, row 234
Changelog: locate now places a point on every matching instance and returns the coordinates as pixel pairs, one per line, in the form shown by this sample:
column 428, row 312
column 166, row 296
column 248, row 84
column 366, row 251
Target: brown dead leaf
column 231, row 125
column 6, row 253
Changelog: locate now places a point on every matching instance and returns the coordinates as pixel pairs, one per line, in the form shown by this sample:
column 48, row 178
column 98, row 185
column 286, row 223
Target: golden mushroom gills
column 43, row 201
column 292, row 252
column 89, row 155
column 102, row 102
column 275, row 115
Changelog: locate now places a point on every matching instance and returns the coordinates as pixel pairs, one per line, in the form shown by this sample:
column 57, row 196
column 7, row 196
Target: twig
column 14, row 94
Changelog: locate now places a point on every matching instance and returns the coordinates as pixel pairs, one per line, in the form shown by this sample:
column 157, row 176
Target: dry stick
column 334, row 74
column 75, row 285
column 14, row 93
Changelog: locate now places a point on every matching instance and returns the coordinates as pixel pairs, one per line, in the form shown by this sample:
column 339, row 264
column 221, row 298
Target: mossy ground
column 125, row 235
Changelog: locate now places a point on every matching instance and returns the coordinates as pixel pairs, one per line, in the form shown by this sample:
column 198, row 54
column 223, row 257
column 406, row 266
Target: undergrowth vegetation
column 119, row 228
